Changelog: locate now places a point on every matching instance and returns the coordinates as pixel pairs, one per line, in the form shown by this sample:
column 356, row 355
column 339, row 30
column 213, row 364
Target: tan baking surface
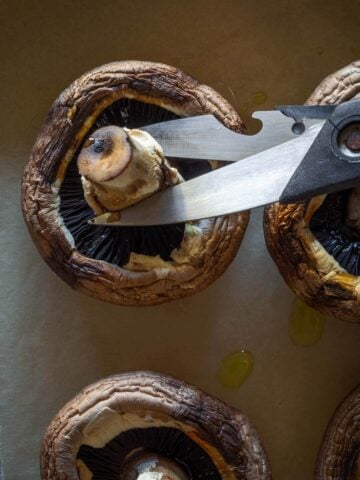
column 54, row 341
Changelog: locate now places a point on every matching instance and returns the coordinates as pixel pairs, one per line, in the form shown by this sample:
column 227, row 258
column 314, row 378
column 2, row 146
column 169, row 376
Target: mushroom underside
column 100, row 261
column 120, row 422
column 332, row 227
column 316, row 243
column 114, row 245
column 110, row 461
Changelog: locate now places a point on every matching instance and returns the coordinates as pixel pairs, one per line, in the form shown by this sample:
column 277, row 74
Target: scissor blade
column 204, row 137
column 255, row 181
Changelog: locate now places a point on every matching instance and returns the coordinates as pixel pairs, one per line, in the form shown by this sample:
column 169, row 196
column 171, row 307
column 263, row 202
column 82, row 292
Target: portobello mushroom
column 339, row 456
column 316, row 243
column 123, row 265
column 149, row 426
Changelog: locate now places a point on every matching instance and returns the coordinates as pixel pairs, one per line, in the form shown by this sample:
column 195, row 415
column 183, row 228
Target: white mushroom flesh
column 143, row 174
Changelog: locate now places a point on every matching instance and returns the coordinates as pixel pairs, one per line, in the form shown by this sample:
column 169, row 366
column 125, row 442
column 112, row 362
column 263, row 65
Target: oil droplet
column 306, row 325
column 259, row 98
column 235, row 368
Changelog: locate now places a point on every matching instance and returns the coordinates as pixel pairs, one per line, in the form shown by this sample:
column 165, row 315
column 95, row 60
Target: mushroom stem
column 154, row 476
column 143, row 465
column 121, row 167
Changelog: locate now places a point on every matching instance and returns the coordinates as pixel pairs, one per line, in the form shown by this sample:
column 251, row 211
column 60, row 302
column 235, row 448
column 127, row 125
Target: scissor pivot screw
column 348, row 142
column 353, row 141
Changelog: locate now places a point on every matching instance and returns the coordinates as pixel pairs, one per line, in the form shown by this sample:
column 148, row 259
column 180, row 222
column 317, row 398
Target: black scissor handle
column 332, row 162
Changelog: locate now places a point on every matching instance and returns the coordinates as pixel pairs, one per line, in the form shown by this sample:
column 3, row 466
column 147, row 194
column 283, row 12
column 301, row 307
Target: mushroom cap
column 65, row 128
column 145, row 399
column 309, row 270
column 339, row 455
column 105, row 154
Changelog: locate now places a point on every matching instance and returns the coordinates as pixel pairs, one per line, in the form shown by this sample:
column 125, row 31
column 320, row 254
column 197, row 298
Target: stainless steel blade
column 204, row 137
column 256, row 181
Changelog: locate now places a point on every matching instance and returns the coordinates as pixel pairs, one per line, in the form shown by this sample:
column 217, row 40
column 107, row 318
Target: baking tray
column 55, row 341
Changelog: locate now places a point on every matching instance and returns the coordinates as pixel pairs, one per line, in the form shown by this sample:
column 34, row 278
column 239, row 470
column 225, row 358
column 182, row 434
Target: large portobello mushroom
column 123, row 265
column 316, row 244
column 148, row 426
column 339, row 456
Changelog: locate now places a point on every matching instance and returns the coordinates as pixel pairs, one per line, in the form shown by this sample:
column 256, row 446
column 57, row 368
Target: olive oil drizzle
column 306, row 325
column 235, row 368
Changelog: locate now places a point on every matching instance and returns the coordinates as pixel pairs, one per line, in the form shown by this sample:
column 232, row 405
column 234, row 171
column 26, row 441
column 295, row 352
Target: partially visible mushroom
column 123, row 265
column 316, row 244
column 339, row 456
column 148, row 426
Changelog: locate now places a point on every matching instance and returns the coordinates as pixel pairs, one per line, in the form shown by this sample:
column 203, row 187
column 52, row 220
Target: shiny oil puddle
column 235, row 368
column 306, row 325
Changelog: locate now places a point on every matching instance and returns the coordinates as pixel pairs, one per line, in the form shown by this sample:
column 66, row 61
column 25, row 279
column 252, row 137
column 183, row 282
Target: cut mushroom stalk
column 121, row 167
column 144, row 465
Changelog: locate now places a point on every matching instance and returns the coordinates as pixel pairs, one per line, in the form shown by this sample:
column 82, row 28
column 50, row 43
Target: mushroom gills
column 334, row 227
column 114, row 245
column 116, row 459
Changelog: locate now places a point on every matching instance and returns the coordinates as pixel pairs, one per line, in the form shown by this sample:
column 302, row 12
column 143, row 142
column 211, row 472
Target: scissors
column 300, row 152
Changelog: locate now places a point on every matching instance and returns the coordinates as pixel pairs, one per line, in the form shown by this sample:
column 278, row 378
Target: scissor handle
column 333, row 161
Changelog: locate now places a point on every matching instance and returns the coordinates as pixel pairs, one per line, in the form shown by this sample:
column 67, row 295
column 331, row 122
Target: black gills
column 110, row 244
column 342, row 242
column 108, row 462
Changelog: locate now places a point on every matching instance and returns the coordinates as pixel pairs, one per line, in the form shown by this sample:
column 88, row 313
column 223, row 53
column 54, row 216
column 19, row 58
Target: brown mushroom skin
column 307, row 268
column 222, row 431
column 65, row 127
column 339, row 455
